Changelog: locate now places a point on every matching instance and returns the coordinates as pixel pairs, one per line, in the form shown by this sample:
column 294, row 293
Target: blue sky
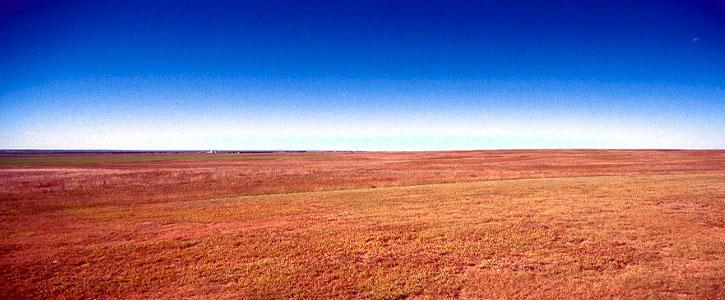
column 362, row 75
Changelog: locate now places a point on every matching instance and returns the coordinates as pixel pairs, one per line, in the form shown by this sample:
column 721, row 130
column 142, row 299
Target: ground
column 384, row 225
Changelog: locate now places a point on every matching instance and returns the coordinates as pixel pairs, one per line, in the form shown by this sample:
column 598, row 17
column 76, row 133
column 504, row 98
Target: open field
column 474, row 224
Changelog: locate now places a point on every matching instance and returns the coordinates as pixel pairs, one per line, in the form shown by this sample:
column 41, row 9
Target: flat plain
column 383, row 225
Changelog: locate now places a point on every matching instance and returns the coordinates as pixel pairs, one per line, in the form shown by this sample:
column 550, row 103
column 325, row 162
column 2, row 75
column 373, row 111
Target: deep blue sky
column 395, row 75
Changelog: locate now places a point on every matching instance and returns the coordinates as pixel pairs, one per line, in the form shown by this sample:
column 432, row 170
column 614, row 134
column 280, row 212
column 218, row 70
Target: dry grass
column 514, row 224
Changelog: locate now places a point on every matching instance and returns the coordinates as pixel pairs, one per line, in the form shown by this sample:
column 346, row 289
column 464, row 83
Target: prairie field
column 383, row 225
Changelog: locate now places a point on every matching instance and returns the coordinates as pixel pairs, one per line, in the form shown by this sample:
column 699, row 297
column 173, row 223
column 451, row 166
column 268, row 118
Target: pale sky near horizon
column 362, row 75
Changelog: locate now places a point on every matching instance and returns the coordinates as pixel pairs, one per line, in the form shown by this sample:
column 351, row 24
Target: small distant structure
column 211, row 152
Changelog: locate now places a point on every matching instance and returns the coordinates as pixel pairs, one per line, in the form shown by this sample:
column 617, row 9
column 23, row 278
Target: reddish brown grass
column 480, row 224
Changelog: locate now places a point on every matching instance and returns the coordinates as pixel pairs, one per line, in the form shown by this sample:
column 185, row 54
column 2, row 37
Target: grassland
column 95, row 159
column 483, row 224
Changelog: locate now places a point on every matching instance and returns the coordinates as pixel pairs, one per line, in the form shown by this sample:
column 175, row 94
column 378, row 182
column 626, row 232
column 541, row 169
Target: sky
column 361, row 75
